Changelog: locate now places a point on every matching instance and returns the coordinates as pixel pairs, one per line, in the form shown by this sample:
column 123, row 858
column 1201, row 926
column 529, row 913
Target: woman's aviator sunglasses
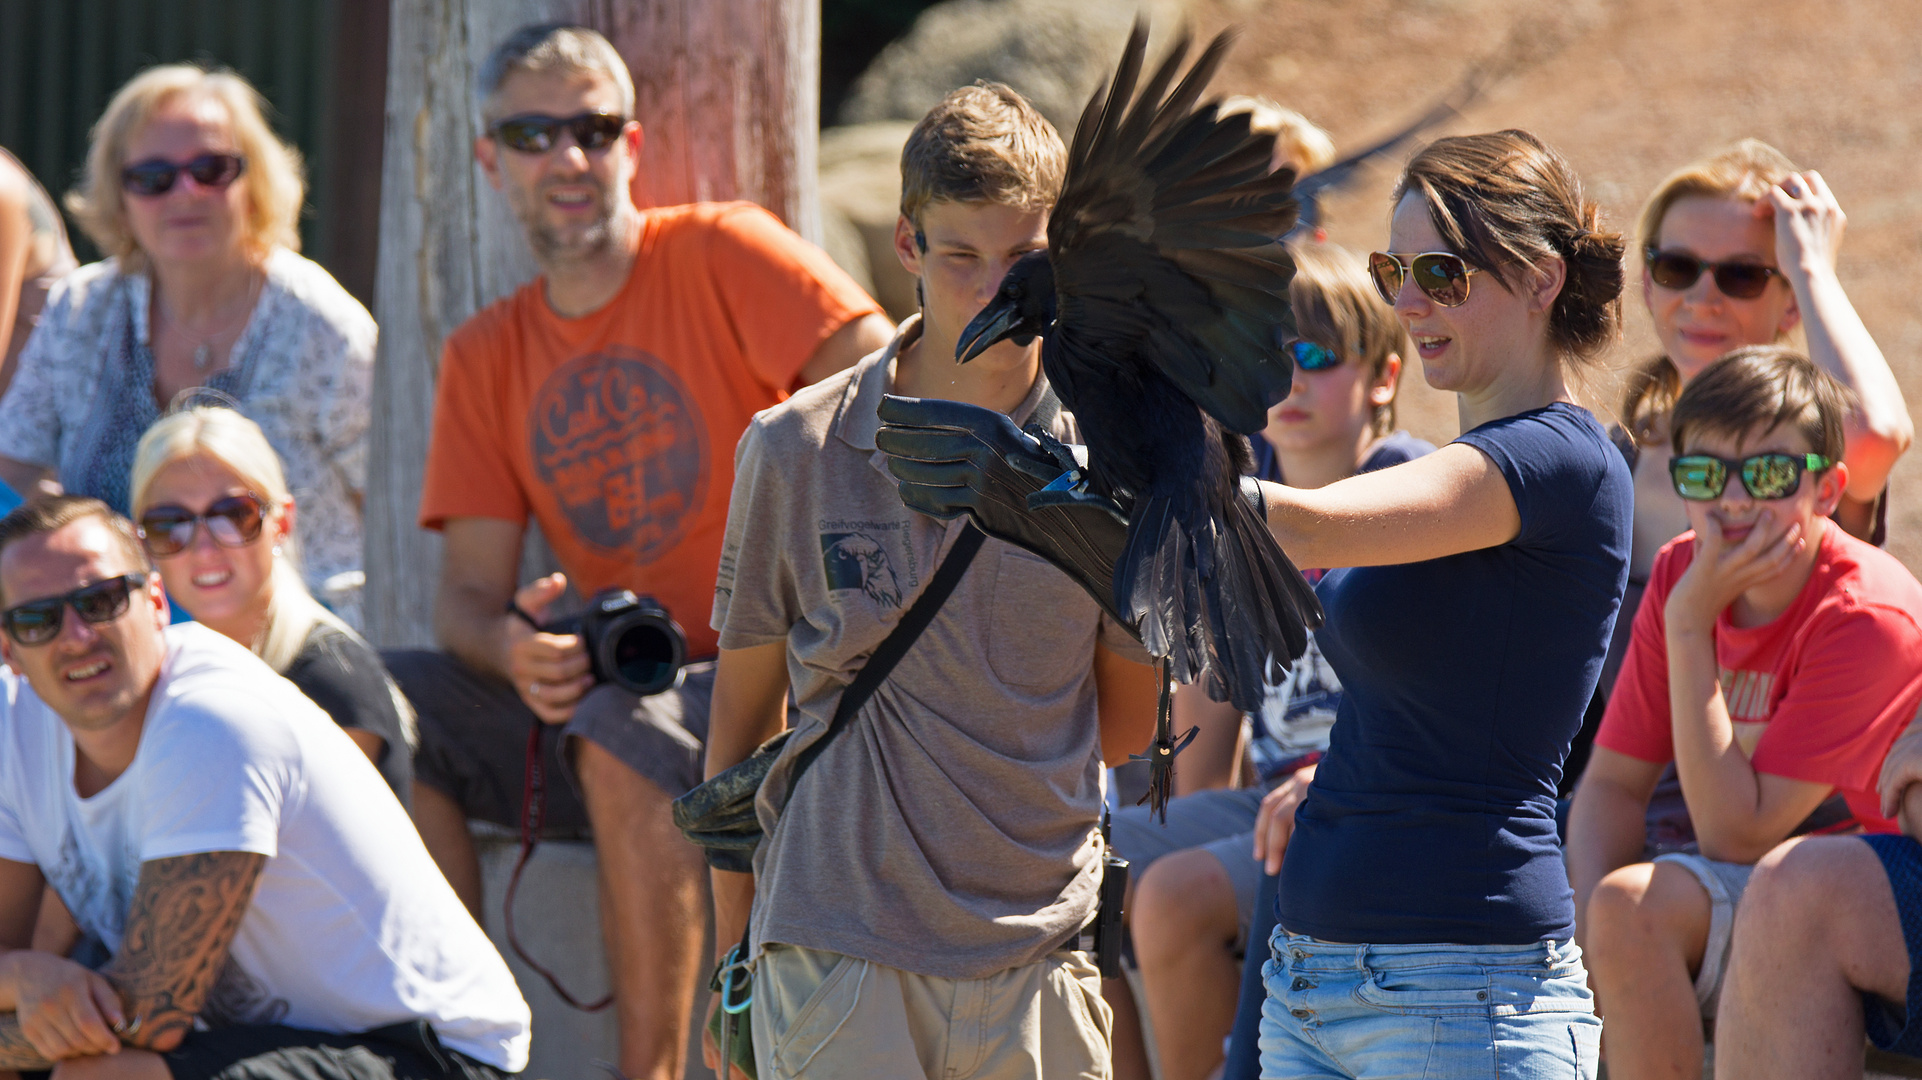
column 233, row 522
column 1701, row 477
column 38, row 622
column 1679, row 270
column 157, row 176
column 537, row 133
column 1441, row 275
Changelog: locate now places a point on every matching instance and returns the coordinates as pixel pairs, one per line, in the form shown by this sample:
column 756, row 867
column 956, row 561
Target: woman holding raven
column 1425, row 924
column 1427, row 846
column 1425, row 921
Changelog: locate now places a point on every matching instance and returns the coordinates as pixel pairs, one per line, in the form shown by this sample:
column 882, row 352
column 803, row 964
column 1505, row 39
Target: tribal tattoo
column 184, row 916
column 16, row 1053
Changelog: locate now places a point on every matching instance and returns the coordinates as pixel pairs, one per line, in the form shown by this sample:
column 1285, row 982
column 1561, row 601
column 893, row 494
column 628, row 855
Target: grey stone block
column 557, row 915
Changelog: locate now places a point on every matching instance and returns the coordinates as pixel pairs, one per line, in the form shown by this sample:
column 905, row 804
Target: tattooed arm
column 183, row 918
column 184, row 915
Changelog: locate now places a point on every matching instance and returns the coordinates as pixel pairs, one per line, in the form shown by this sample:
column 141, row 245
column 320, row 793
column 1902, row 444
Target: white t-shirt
column 352, row 927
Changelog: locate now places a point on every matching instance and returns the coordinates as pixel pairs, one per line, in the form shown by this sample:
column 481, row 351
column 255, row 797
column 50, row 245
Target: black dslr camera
column 631, row 641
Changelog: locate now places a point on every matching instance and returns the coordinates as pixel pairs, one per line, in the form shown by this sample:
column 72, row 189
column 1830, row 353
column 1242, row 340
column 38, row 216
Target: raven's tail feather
column 1223, row 604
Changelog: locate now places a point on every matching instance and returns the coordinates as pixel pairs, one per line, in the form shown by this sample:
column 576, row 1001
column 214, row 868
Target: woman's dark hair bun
column 1505, row 201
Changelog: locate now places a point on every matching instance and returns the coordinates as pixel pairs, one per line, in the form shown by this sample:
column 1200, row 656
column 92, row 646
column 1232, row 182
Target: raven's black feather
column 1163, row 301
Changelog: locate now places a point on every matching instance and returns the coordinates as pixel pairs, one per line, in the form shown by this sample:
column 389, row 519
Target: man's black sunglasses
column 38, row 621
column 1679, row 270
column 537, row 133
column 156, row 177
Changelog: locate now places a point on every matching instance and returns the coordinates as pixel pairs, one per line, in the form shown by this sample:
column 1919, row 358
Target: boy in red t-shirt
column 1774, row 661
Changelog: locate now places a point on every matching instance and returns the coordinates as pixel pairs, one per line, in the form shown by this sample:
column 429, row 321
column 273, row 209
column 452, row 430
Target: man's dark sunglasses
column 536, row 133
column 38, row 622
column 157, row 176
column 1309, row 356
column 1701, row 477
column 233, row 522
column 1679, row 270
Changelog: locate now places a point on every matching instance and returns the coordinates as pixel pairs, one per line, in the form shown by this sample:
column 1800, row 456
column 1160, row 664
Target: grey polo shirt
column 951, row 830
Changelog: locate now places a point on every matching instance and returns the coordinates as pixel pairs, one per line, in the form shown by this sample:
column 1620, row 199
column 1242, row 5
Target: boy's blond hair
column 982, row 144
column 1298, row 140
column 1336, row 307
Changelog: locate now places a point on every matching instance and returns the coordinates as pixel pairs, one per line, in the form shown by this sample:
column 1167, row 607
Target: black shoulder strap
column 897, row 643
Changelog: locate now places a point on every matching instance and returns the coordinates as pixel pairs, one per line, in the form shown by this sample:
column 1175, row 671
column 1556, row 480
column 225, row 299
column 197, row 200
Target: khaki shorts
column 1724, row 882
column 822, row 1014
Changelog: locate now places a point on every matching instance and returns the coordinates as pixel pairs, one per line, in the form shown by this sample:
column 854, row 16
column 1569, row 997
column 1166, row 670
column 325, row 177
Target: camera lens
column 646, row 658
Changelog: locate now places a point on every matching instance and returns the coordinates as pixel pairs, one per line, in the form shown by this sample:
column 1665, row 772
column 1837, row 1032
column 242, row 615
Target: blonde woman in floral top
column 195, row 202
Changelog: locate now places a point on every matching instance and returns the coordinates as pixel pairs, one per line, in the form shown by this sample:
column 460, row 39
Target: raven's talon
column 1067, row 497
column 1058, row 450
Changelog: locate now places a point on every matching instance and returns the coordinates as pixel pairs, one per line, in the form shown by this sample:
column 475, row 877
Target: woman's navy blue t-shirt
column 1432, row 817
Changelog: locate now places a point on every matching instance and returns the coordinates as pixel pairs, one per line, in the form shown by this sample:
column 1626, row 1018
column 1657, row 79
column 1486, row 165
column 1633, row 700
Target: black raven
column 1162, row 301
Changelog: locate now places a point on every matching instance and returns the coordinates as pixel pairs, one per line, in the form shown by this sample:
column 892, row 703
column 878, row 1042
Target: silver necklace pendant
column 203, row 355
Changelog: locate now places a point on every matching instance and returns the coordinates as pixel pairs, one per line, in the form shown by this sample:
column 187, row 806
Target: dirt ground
column 1629, row 90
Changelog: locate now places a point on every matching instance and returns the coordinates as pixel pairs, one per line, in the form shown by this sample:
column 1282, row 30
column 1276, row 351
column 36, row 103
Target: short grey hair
column 553, row 46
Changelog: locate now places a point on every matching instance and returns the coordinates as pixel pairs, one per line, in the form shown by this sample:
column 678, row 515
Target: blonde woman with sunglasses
column 211, row 507
column 195, row 203
column 1740, row 249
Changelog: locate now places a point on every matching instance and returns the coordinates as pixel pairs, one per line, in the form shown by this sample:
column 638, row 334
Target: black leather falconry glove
column 954, row 458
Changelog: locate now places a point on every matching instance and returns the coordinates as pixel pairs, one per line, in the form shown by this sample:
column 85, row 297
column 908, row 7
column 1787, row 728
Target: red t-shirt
column 1817, row 693
column 616, row 430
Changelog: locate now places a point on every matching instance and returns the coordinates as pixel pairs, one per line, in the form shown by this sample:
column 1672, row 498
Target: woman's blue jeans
column 1427, row 1012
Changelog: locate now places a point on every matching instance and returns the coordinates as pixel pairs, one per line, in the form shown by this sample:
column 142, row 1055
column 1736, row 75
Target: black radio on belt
column 1107, row 920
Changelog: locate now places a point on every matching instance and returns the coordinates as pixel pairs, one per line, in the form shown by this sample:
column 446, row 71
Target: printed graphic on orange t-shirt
column 616, row 430
column 620, row 442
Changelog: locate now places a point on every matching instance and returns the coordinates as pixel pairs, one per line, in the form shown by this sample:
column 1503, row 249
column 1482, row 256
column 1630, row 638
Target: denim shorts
column 1518, row 1012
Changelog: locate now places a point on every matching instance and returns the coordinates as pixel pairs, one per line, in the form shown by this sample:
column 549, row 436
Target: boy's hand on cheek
column 1721, row 572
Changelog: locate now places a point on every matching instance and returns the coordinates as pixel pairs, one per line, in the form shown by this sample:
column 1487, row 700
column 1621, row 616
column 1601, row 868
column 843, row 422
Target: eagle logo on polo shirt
column 855, row 560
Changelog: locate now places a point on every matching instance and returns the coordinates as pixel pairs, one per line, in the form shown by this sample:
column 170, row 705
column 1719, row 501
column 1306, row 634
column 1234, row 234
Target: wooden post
column 727, row 92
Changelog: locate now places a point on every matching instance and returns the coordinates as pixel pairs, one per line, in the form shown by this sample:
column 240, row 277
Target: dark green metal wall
column 61, row 60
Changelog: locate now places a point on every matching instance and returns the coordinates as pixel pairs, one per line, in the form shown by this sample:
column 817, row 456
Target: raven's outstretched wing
column 1168, row 220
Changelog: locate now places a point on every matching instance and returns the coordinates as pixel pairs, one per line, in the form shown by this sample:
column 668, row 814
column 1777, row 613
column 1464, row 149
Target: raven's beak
column 996, row 322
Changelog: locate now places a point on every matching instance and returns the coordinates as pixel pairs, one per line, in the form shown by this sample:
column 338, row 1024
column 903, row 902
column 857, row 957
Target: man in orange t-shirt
column 604, row 400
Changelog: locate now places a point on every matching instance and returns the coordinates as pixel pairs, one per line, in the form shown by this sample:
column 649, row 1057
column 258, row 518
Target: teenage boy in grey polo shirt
column 922, row 886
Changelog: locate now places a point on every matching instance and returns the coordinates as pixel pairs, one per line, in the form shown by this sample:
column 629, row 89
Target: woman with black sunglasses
column 211, row 506
column 1425, row 922
column 195, row 201
column 1740, row 249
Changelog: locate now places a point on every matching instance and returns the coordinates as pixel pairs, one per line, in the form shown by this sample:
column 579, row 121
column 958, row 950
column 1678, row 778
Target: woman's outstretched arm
column 1444, row 503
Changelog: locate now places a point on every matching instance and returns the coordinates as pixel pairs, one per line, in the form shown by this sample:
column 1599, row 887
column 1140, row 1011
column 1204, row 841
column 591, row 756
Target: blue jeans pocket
column 1442, row 990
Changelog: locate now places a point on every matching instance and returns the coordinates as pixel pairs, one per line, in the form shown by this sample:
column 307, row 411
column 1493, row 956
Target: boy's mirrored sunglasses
column 38, row 622
column 1679, row 270
column 233, row 522
column 537, row 133
column 1309, row 356
column 1441, row 275
column 1701, row 477
column 157, row 176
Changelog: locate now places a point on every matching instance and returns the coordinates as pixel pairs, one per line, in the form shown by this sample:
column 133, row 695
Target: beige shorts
column 822, row 1014
column 1724, row 882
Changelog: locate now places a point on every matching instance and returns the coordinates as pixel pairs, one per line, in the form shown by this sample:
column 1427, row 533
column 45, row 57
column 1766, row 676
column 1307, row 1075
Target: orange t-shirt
column 616, row 430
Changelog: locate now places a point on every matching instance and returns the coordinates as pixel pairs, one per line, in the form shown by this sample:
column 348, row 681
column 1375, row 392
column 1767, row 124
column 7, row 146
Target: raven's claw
column 1161, row 752
column 1070, row 489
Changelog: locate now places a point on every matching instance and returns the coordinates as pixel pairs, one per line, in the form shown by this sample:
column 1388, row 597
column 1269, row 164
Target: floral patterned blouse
column 302, row 369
